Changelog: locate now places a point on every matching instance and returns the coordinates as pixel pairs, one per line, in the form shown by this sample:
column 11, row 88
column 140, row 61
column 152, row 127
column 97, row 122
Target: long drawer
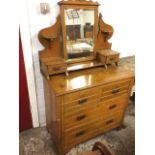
column 103, row 109
column 92, row 107
column 91, row 129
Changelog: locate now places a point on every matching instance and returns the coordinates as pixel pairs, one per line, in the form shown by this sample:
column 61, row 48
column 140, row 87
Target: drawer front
column 81, row 104
column 90, row 112
column 111, row 122
column 101, row 58
column 53, row 69
column 115, row 89
column 112, row 58
column 80, row 118
column 87, row 131
column 80, row 134
column 82, row 95
column 111, row 106
column 90, row 106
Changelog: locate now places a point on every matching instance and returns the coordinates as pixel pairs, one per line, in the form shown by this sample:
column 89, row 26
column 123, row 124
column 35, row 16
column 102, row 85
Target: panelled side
column 53, row 115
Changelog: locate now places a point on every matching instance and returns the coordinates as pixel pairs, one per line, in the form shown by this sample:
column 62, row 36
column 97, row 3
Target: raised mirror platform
column 83, row 65
column 73, row 42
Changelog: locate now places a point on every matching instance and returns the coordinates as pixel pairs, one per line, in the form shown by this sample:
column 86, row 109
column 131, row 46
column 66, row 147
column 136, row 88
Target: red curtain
column 25, row 121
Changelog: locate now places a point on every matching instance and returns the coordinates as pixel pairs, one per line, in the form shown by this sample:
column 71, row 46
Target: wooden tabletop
column 62, row 84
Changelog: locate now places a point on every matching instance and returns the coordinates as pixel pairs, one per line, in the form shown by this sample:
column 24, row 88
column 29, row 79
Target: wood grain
column 53, row 38
column 89, row 101
column 87, row 109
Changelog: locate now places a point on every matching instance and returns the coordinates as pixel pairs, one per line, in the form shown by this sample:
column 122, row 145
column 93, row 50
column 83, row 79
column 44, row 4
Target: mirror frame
column 53, row 39
column 64, row 40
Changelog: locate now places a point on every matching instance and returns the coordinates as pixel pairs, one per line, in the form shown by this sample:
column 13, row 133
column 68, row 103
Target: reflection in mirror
column 79, row 32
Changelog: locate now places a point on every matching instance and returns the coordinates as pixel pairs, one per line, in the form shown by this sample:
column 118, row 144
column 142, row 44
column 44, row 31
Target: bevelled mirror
column 79, row 32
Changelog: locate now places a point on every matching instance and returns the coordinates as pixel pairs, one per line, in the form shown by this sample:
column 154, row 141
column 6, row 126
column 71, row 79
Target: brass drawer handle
column 113, row 106
column 82, row 101
column 80, row 117
column 109, row 122
column 115, row 90
column 80, row 133
column 56, row 68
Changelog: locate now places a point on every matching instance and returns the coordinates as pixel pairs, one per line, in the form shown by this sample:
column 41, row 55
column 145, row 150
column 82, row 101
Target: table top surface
column 82, row 79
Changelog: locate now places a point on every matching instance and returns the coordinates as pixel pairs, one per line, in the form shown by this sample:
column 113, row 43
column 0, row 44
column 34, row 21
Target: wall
column 121, row 15
column 37, row 21
column 116, row 13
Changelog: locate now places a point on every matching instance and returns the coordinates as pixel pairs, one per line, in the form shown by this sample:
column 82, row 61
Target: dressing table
column 83, row 98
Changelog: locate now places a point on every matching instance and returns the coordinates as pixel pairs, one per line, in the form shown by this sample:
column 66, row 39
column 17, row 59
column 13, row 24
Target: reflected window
column 79, row 32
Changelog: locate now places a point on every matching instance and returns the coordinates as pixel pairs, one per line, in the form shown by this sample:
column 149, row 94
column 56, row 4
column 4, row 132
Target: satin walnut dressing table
column 83, row 98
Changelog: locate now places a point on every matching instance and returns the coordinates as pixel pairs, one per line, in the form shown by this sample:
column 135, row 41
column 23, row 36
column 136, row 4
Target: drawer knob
column 81, row 117
column 109, row 122
column 113, row 106
column 115, row 90
column 82, row 101
column 80, row 133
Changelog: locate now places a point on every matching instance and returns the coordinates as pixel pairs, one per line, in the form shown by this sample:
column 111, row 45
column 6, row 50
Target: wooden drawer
column 80, row 118
column 76, row 111
column 108, row 107
column 84, row 103
column 117, row 84
column 81, row 96
column 54, row 69
column 115, row 89
column 108, row 56
column 111, row 122
column 81, row 133
column 112, row 58
column 94, row 128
